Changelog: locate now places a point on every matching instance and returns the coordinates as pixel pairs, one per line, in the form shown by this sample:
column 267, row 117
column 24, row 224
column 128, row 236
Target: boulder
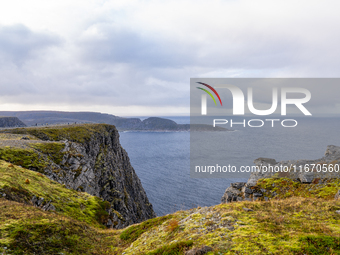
column 306, row 177
column 199, row 251
column 230, row 195
column 238, row 185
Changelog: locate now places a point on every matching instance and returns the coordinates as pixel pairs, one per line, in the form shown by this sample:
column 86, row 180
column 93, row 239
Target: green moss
column 285, row 187
column 177, row 248
column 134, row 232
column 26, row 158
column 77, row 133
column 49, row 238
column 102, row 215
column 77, row 205
column 318, row 245
column 52, row 150
column 28, row 230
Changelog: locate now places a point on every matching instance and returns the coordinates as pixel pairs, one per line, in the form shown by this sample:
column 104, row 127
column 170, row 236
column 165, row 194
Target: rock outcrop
column 303, row 170
column 318, row 171
column 6, row 122
column 90, row 158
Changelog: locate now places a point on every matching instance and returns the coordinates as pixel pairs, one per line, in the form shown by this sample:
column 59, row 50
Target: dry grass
column 173, row 225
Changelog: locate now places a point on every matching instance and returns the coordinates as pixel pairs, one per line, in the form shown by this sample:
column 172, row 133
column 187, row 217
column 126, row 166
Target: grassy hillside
column 294, row 225
column 21, row 185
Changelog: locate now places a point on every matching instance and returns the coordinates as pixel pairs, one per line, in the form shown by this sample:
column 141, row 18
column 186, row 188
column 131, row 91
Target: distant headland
column 42, row 118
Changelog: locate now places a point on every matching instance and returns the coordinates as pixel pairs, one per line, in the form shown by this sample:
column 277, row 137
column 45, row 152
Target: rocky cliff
column 11, row 122
column 86, row 158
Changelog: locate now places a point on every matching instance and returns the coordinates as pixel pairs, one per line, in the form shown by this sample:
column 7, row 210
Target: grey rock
column 332, row 154
column 247, row 190
column 40, row 201
column 238, row 185
column 25, row 138
column 48, row 207
column 337, row 195
column 307, row 177
column 101, row 167
column 230, row 227
column 338, row 211
column 257, row 194
column 230, row 195
column 199, row 251
column 247, row 209
column 34, row 200
column 248, row 199
column 265, row 161
column 252, row 181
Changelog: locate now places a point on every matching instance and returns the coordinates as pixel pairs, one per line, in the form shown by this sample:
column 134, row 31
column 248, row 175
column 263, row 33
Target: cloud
column 116, row 54
column 18, row 43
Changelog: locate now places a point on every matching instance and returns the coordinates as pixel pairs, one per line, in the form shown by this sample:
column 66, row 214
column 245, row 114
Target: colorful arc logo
column 213, row 90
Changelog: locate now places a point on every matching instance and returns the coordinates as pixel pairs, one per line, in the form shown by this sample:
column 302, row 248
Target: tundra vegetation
column 305, row 222
column 41, row 216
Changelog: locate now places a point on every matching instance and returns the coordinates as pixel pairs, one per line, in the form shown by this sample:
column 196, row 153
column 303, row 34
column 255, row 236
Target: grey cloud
column 18, row 43
column 125, row 66
column 119, row 45
column 244, row 51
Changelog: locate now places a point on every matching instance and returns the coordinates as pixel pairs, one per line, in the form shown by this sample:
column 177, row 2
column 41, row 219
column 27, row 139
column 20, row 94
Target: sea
column 162, row 159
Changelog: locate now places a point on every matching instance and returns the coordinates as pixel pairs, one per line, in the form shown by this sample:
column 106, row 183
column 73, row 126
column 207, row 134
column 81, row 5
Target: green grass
column 134, row 232
column 172, row 249
column 285, row 188
column 77, row 205
column 27, row 158
column 26, row 229
column 75, row 133
column 52, row 150
column 319, row 245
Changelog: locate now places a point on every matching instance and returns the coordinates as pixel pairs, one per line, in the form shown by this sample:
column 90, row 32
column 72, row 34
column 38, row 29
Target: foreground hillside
column 306, row 224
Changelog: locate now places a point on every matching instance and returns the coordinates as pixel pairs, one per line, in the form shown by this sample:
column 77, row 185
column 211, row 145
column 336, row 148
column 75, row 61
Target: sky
column 136, row 58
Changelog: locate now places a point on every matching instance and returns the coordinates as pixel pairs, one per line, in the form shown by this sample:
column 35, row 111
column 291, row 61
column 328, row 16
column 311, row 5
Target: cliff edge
column 86, row 158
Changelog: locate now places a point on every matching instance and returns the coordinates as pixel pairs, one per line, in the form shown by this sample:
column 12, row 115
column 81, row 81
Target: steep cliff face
column 90, row 158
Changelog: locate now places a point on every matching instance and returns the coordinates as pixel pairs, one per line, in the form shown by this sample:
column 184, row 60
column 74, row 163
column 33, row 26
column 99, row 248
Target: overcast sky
column 128, row 57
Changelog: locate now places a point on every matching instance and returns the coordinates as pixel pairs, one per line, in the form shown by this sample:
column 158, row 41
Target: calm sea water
column 162, row 159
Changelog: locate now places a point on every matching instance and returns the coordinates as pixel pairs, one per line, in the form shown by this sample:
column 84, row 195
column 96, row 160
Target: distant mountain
column 11, row 122
column 33, row 118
